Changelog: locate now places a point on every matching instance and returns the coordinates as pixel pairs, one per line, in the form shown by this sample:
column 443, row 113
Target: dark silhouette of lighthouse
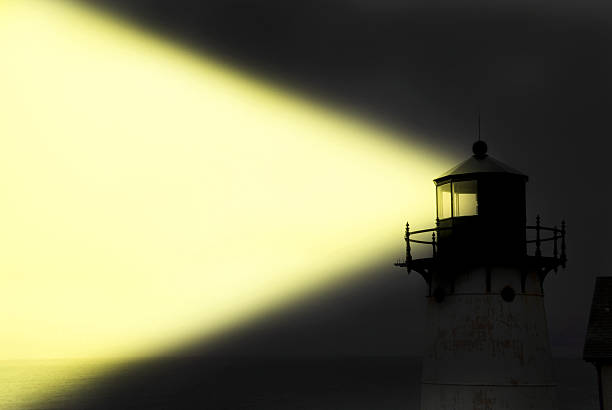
column 486, row 333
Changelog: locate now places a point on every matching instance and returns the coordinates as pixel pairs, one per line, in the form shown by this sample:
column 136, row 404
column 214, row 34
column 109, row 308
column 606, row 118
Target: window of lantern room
column 465, row 199
column 444, row 201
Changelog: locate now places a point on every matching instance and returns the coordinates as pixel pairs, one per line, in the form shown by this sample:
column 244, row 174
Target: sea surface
column 242, row 383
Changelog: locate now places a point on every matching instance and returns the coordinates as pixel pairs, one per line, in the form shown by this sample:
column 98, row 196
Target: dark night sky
column 541, row 74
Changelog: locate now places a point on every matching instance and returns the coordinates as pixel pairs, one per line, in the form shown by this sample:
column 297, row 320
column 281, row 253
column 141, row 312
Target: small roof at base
column 598, row 343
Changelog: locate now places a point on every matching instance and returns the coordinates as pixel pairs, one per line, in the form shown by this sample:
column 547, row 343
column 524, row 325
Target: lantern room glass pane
column 444, row 201
column 465, row 200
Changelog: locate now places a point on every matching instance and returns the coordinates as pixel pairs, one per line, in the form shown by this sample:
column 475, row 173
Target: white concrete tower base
column 486, row 353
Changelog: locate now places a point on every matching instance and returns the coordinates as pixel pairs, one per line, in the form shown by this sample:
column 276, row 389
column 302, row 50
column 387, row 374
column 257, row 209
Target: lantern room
column 481, row 220
column 480, row 206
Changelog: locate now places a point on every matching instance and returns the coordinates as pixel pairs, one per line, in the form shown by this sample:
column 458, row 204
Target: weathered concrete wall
column 485, row 352
column 487, row 397
column 606, row 386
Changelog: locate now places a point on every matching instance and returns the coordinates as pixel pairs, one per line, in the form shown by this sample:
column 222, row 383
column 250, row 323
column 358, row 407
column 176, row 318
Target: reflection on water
column 54, row 381
column 223, row 383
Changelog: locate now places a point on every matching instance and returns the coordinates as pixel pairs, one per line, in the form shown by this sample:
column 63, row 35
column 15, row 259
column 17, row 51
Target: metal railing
column 557, row 235
column 433, row 242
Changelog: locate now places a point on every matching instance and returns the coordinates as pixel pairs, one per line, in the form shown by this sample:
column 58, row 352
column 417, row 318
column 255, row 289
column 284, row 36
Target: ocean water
column 242, row 383
column 25, row 384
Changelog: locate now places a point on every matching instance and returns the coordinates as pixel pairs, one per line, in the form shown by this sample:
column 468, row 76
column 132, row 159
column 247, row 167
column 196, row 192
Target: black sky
column 541, row 74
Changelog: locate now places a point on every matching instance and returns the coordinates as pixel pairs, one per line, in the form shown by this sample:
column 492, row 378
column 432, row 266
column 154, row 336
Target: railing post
column 408, row 256
column 563, row 257
column 433, row 243
column 538, row 251
column 555, row 246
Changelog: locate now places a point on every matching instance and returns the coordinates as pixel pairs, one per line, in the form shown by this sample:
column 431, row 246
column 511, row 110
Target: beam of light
column 151, row 196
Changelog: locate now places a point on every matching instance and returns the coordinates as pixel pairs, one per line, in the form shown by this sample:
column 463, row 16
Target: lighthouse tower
column 486, row 333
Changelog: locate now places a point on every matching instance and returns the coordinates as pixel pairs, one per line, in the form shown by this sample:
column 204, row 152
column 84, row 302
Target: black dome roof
column 479, row 163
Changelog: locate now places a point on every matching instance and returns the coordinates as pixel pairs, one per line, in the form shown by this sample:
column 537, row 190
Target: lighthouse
column 486, row 335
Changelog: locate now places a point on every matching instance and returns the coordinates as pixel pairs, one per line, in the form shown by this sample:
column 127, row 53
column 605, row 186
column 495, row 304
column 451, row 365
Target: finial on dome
column 479, row 148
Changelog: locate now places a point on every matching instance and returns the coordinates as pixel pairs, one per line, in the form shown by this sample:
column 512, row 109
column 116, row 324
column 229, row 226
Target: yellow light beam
column 152, row 196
